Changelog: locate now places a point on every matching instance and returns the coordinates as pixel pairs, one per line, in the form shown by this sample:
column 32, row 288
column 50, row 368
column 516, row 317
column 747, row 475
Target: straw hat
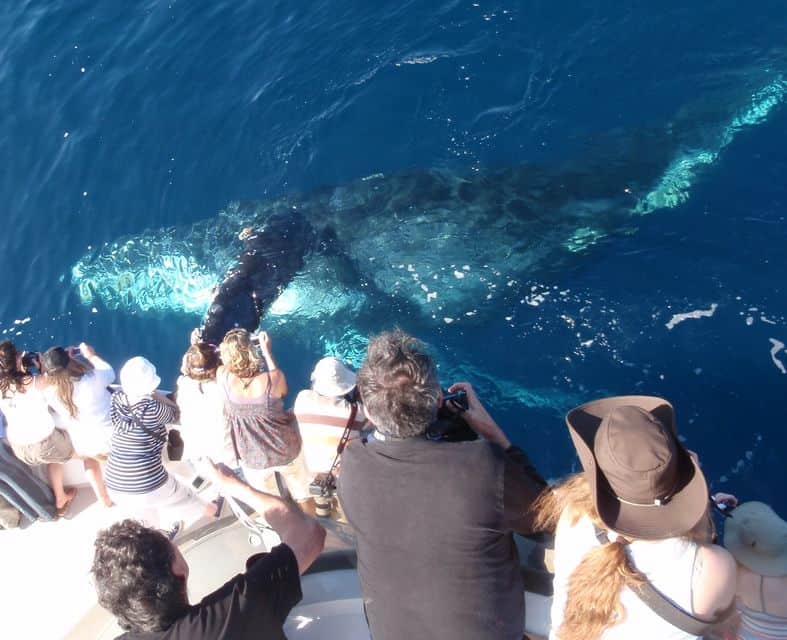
column 332, row 378
column 757, row 537
column 643, row 481
column 138, row 377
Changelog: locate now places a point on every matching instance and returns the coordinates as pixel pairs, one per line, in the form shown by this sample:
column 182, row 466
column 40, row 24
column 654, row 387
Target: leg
column 62, row 497
column 96, row 480
column 174, row 501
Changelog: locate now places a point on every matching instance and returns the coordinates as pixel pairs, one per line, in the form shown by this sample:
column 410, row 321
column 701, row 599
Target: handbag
column 175, row 445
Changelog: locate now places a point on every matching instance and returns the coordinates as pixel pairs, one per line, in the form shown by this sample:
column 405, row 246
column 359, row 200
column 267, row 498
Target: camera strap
column 343, row 440
column 665, row 608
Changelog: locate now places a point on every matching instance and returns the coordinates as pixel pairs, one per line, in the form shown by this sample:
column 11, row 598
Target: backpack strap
column 665, row 608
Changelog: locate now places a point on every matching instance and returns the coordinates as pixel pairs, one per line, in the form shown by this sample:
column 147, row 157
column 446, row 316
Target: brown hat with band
column 643, row 481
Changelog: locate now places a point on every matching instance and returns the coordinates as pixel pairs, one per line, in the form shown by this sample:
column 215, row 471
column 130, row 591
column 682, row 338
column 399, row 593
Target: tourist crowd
column 432, row 486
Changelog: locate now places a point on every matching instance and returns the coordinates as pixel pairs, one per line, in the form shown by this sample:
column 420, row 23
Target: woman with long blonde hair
column 264, row 437
column 636, row 515
column 76, row 390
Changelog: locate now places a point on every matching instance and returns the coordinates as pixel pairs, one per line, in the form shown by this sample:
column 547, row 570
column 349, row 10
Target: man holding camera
column 434, row 519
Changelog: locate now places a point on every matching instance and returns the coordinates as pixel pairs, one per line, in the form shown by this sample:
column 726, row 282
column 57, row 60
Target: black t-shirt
column 252, row 605
column 433, row 524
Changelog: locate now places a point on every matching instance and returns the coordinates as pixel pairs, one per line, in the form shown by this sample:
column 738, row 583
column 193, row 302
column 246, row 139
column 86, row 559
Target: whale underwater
column 435, row 246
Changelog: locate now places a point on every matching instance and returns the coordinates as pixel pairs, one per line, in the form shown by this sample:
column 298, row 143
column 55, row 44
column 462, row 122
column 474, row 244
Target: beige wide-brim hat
column 757, row 537
column 138, row 377
column 643, row 481
column 332, row 378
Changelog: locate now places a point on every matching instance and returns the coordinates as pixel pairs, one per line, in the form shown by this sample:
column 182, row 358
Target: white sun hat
column 757, row 537
column 332, row 378
column 138, row 377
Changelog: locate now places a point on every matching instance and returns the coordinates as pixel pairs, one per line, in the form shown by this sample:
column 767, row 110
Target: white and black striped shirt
column 138, row 437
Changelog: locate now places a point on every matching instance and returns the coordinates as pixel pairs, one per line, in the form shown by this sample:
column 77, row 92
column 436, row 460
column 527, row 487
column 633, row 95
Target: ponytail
column 593, row 590
column 593, row 595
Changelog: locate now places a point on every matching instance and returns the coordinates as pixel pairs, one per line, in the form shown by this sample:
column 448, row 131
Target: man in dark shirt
column 434, row 519
column 141, row 577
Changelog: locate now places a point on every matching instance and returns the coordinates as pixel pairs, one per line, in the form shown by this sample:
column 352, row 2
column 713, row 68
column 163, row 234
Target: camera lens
column 323, row 506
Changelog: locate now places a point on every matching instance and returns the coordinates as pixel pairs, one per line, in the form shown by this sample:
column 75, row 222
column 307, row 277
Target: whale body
column 443, row 246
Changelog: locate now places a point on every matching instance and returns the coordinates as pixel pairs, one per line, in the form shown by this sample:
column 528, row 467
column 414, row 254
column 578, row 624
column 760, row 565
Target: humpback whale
column 271, row 256
column 437, row 243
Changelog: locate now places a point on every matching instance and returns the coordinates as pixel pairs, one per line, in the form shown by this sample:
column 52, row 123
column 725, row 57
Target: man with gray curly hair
column 434, row 517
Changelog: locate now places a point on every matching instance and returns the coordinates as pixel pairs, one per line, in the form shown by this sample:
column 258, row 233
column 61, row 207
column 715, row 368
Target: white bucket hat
column 138, row 377
column 757, row 537
column 332, row 378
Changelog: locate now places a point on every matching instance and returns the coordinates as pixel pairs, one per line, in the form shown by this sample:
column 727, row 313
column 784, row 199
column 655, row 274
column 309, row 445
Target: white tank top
column 27, row 416
column 668, row 564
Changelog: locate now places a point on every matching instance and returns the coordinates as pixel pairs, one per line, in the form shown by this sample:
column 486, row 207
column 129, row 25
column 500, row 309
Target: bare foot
column 62, row 506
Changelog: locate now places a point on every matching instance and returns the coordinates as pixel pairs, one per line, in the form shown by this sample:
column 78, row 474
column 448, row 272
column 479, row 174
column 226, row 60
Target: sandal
column 219, row 504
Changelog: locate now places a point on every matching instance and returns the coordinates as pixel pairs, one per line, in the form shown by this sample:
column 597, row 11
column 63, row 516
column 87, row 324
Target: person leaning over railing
column 632, row 553
column 201, row 404
column 434, row 520
column 31, row 431
column 76, row 391
column 142, row 578
column 757, row 538
column 324, row 410
column 264, row 437
column 135, row 474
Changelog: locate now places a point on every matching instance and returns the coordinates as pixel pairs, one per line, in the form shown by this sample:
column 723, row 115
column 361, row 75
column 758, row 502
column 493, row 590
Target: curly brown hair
column 238, row 354
column 132, row 571
column 200, row 362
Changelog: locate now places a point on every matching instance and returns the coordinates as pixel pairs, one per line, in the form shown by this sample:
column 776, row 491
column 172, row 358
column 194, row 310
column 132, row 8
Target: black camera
column 353, row 396
column 323, row 488
column 458, row 399
column 31, row 361
column 450, row 426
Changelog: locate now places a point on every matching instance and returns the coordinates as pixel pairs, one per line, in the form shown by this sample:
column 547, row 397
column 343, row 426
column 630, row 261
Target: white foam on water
column 691, row 315
column 778, row 345
column 418, row 59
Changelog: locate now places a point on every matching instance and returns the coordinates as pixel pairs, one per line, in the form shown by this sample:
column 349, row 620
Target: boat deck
column 47, row 592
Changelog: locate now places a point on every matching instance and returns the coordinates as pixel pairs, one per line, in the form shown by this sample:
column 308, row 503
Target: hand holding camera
column 478, row 417
column 456, row 401
column 31, row 362
column 262, row 340
column 724, row 503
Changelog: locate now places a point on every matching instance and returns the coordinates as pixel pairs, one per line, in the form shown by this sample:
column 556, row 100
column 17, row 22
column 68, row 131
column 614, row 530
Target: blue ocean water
column 539, row 190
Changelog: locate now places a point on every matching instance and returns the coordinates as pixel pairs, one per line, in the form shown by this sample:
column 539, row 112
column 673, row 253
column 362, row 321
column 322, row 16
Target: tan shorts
column 56, row 447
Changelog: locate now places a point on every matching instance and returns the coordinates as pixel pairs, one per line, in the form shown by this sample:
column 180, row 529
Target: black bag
column 175, row 445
